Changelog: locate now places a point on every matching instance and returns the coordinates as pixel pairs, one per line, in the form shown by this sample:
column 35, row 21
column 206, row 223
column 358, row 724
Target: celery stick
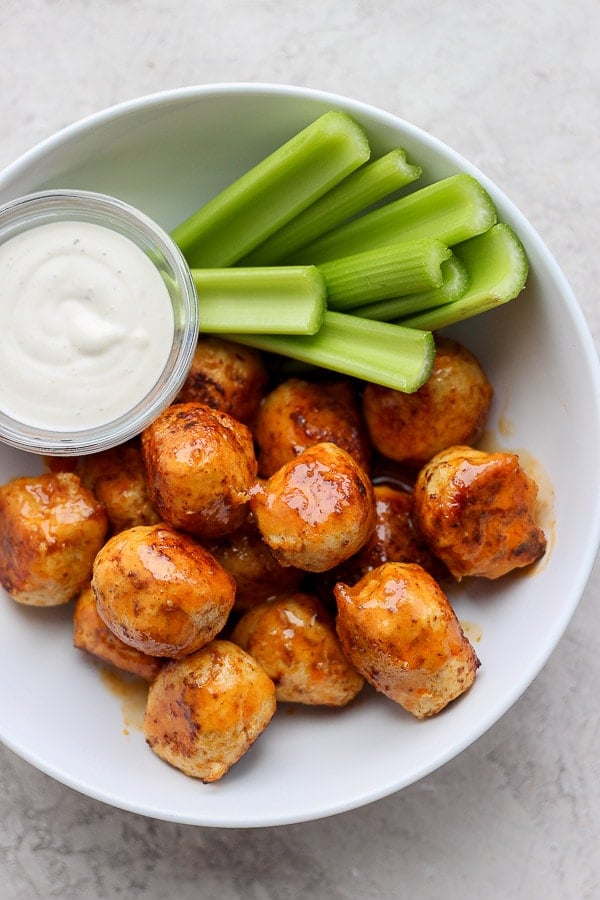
column 386, row 272
column 498, row 267
column 455, row 283
column 390, row 355
column 278, row 300
column 452, row 210
column 369, row 184
column 273, row 192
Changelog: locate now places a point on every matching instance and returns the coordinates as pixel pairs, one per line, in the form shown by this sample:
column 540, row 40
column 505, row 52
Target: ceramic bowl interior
column 166, row 154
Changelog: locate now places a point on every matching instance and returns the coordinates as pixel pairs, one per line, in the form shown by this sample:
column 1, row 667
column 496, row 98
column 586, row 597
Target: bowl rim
column 588, row 558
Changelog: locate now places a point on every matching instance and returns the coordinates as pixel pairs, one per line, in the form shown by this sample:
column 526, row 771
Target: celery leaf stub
column 273, row 192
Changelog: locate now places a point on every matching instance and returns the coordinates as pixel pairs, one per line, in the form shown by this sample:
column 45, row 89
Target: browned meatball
column 91, row 635
column 395, row 538
column 205, row 711
column 477, row 512
column 158, row 590
column 226, row 376
column 257, row 573
column 200, row 465
column 51, row 528
column 299, row 414
column 398, row 629
column 450, row 408
column 317, row 510
column 117, row 477
column 294, row 639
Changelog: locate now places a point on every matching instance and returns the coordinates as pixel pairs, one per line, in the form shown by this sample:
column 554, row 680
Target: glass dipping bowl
column 45, row 207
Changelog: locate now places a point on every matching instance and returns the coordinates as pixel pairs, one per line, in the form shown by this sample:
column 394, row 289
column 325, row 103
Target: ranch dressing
column 86, row 325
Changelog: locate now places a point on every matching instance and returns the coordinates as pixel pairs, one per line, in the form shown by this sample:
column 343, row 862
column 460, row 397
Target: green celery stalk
column 455, row 283
column 369, row 184
column 452, row 210
column 390, row 271
column 279, row 187
column 386, row 354
column 274, row 299
column 498, row 267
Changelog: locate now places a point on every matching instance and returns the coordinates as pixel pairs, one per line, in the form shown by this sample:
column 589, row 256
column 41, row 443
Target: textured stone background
column 515, row 87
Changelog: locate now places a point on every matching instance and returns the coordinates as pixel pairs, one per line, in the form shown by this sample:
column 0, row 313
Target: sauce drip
column 133, row 694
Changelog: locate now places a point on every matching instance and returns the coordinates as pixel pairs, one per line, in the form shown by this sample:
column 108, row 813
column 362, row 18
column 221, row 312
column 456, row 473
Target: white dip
column 86, row 325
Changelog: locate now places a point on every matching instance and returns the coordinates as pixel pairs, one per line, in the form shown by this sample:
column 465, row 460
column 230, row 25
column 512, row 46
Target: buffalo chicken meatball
column 158, row 590
column 395, row 538
column 257, row 573
column 226, row 376
column 205, row 711
column 91, row 635
column 317, row 510
column 51, row 528
column 477, row 512
column 397, row 628
column 298, row 414
column 200, row 465
column 117, row 477
column 293, row 638
column 450, row 408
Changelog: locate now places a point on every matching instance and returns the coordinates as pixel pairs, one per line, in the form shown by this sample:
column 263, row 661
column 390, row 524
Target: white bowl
column 165, row 154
